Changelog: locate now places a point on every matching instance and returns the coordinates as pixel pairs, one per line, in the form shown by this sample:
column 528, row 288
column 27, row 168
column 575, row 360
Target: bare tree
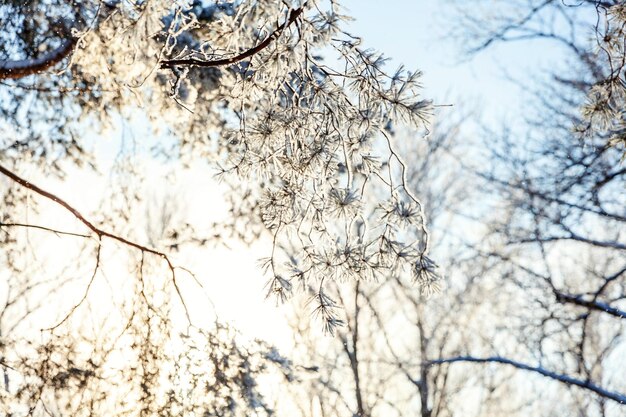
column 599, row 58
column 558, row 240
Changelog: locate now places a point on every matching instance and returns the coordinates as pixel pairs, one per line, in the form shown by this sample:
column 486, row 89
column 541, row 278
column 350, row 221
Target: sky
column 416, row 33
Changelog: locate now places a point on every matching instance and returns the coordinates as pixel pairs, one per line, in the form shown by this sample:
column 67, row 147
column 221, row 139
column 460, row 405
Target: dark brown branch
column 293, row 16
column 607, row 281
column 572, row 237
column 99, row 232
column 26, row 67
column 565, row 379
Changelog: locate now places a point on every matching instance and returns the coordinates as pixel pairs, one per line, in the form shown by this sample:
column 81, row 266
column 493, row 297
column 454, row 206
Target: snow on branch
column 565, row 379
column 293, row 16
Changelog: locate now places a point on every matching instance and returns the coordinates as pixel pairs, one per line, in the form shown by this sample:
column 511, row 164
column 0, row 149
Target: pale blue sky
column 415, row 33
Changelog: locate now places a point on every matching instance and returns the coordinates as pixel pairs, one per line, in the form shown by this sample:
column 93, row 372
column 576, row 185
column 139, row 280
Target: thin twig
column 47, row 229
column 86, row 293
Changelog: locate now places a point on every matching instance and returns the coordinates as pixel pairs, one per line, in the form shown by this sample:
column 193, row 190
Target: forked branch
column 100, row 233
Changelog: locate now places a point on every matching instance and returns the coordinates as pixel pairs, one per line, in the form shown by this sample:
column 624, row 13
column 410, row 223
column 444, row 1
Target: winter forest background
column 243, row 208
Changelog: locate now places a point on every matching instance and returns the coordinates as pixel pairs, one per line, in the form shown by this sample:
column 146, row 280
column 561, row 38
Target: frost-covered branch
column 298, row 129
column 293, row 16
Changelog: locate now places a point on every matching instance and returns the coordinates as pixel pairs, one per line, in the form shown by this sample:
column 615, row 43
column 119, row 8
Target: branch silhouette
column 565, row 379
column 100, row 233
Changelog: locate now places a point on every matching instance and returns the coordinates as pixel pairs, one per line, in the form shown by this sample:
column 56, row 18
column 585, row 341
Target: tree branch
column 500, row 34
column 565, row 379
column 47, row 229
column 86, row 293
column 572, row 237
column 293, row 16
column 99, row 232
column 26, row 67
column 590, row 304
